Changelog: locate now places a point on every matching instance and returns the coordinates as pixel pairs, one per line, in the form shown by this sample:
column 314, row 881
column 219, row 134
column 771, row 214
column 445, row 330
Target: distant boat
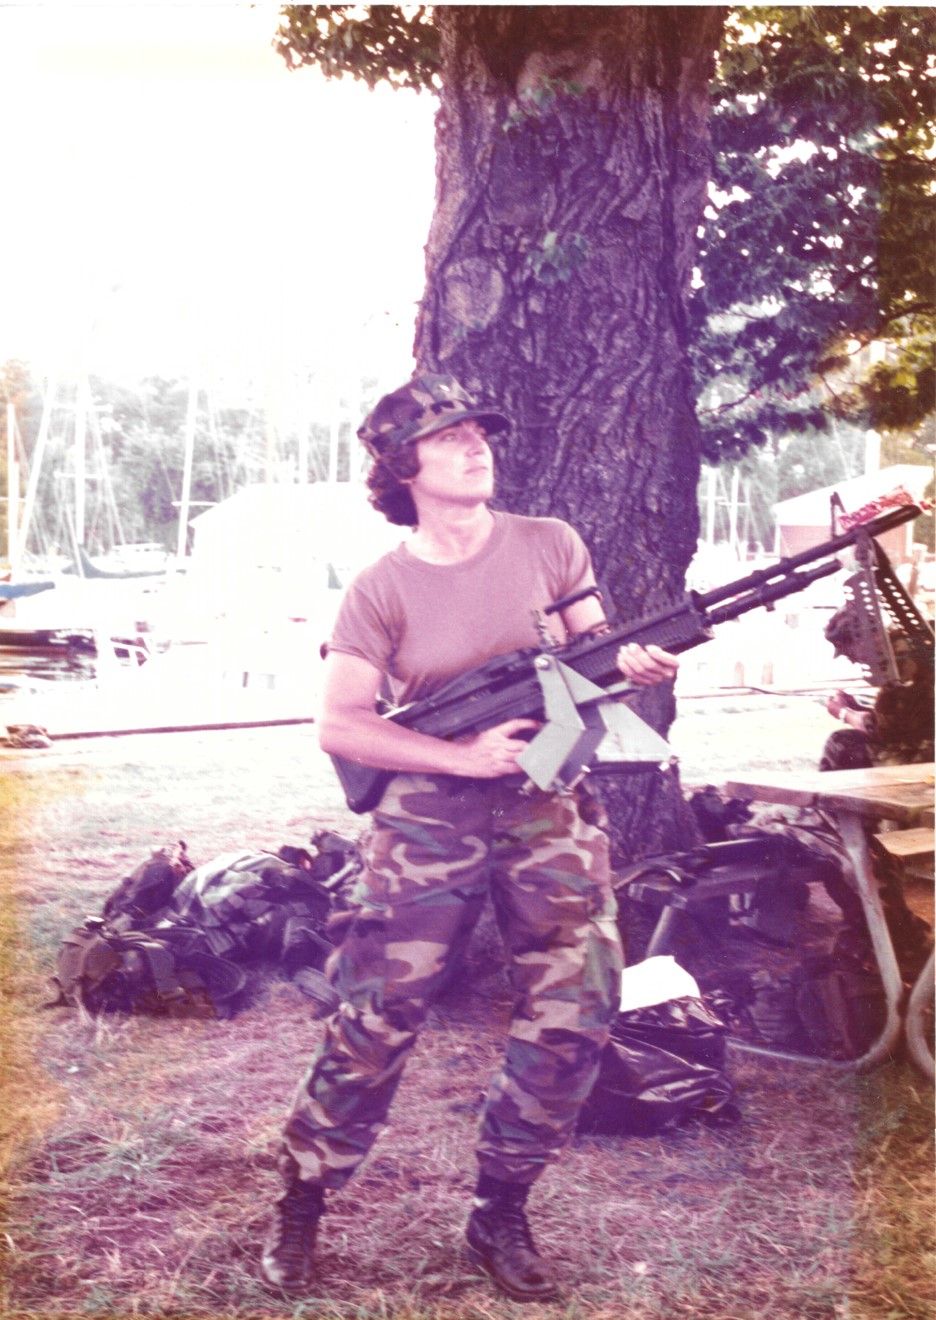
column 221, row 684
column 47, row 641
column 16, row 590
column 123, row 562
column 132, row 562
column 64, row 615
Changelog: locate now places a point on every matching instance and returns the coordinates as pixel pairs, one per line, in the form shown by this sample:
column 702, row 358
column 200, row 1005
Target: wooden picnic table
column 853, row 799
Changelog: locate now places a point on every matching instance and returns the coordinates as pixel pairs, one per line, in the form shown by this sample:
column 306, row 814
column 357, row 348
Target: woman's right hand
column 493, row 752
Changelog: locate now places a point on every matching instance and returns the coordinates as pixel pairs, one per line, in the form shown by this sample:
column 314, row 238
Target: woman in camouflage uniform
column 452, row 828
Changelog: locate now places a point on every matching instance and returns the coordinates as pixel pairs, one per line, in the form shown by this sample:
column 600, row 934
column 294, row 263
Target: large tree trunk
column 572, row 162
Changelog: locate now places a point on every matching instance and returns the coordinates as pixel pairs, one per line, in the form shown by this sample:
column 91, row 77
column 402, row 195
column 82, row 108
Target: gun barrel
column 783, row 567
column 771, row 591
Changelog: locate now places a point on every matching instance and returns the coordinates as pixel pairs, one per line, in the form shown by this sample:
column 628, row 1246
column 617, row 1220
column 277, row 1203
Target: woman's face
column 455, row 466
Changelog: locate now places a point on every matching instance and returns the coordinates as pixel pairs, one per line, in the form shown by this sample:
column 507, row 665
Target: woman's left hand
column 648, row 665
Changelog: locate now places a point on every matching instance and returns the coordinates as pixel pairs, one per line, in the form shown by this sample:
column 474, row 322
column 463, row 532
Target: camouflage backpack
column 147, row 892
column 171, row 935
column 106, row 970
column 276, row 907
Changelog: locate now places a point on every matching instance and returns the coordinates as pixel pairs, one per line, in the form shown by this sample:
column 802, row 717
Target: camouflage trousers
column 438, row 848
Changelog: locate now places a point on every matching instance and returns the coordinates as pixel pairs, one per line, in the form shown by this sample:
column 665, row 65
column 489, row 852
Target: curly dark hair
column 386, row 482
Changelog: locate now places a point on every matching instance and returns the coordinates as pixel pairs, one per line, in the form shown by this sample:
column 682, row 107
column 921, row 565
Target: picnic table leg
column 852, row 833
column 919, row 1047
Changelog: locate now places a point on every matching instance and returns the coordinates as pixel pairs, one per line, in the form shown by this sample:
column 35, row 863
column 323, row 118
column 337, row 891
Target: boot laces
column 507, row 1219
column 297, row 1217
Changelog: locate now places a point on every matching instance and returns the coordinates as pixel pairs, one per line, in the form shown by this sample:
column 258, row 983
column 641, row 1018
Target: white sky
column 175, row 200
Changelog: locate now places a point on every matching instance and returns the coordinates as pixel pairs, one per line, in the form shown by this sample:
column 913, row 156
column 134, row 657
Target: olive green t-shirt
column 421, row 624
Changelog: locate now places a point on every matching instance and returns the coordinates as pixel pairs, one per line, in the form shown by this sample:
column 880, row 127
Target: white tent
column 805, row 520
column 325, row 529
column 283, row 551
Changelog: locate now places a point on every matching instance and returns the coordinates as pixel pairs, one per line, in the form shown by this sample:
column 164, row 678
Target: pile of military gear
column 763, row 915
column 182, row 941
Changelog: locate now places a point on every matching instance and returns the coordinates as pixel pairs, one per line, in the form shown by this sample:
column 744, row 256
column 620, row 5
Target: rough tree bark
column 572, row 163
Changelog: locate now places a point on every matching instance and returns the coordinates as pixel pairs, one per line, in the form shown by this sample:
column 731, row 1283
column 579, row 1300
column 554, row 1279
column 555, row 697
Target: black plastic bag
column 664, row 1065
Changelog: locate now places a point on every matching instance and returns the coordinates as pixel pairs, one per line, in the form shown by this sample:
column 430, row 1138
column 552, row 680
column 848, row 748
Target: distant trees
column 135, row 454
column 134, row 448
column 17, row 393
column 144, row 432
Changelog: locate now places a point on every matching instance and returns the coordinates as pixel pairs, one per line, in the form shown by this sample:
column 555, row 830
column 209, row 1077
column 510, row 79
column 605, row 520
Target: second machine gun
column 573, row 687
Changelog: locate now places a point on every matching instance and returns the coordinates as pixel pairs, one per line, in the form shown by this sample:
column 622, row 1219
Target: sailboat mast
column 36, row 465
column 187, row 470
column 81, row 436
column 12, row 488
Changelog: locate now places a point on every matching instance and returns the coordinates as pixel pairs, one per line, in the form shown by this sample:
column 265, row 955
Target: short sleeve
column 576, row 571
column 362, row 626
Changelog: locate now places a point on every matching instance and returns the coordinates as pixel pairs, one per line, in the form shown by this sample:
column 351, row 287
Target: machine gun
column 572, row 688
column 882, row 610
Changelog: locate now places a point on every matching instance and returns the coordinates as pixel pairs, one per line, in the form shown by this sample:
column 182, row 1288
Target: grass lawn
column 139, row 1153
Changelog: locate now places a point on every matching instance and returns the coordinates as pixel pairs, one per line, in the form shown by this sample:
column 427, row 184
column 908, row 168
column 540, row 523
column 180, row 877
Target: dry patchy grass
column 140, row 1160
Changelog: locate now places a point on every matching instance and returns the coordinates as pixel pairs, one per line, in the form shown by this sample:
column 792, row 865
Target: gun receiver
column 572, row 686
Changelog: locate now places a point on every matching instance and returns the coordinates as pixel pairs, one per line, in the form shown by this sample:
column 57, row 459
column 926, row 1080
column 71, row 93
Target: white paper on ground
column 654, row 981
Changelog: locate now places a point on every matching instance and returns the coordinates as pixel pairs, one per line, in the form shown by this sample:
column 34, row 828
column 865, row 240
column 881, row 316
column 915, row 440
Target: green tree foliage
column 820, row 238
column 134, row 459
column 376, row 43
column 135, row 456
column 144, row 435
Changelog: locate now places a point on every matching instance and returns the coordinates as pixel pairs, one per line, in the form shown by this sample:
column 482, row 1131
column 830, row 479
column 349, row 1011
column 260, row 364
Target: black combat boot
column 499, row 1240
column 288, row 1251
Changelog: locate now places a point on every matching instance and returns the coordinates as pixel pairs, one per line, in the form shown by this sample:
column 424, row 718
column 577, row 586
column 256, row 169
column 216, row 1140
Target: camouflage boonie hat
column 844, row 632
column 423, row 405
